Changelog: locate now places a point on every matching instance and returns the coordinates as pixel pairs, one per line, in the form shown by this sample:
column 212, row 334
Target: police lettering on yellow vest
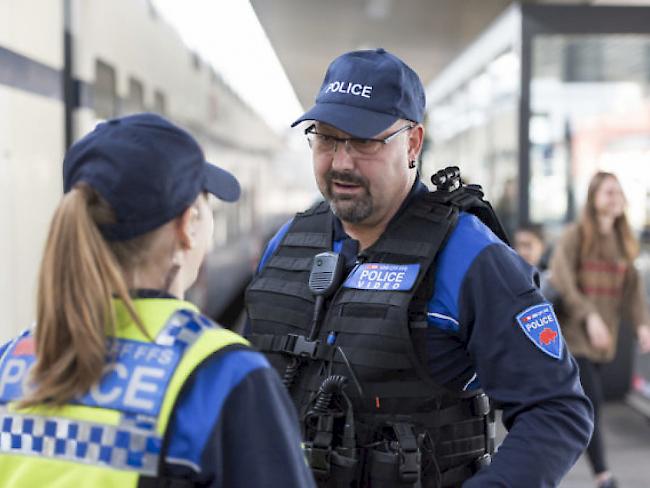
column 121, row 383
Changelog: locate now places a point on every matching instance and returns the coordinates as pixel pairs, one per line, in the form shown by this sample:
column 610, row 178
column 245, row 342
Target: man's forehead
column 335, row 131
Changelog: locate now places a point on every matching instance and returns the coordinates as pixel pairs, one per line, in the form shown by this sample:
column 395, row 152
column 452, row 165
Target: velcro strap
column 431, row 211
column 294, row 345
column 375, row 359
column 284, row 316
column 290, row 263
column 477, row 406
column 461, row 430
column 282, row 287
column 306, row 239
column 418, row 249
column 461, row 447
column 396, row 389
column 369, row 326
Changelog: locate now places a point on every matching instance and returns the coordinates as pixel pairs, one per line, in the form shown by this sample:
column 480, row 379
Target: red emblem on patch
column 24, row 347
column 547, row 336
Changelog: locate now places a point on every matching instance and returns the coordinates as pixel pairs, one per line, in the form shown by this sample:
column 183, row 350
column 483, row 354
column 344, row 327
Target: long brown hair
column 80, row 275
column 588, row 223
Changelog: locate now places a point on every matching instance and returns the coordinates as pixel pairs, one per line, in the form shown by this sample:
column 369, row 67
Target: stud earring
column 412, row 163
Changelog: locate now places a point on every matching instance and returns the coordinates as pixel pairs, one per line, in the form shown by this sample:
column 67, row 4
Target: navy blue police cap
column 365, row 92
column 147, row 169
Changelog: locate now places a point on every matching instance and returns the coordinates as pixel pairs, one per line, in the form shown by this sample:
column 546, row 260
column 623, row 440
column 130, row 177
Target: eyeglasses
column 325, row 143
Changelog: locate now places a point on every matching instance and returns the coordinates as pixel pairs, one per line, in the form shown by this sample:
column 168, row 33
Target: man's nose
column 341, row 156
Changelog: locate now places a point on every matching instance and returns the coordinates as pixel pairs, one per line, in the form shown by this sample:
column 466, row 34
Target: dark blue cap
column 365, row 92
column 147, row 169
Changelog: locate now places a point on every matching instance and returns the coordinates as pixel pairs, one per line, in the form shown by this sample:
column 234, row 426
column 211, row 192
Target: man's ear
column 415, row 140
column 185, row 228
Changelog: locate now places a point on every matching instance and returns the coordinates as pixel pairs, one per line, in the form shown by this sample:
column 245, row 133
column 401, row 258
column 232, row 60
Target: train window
column 475, row 126
column 159, row 102
column 105, row 94
column 589, row 99
column 135, row 100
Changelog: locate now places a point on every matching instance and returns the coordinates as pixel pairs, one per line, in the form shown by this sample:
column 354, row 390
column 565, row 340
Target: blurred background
column 528, row 98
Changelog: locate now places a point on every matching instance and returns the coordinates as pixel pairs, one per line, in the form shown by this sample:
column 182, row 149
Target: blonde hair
column 588, row 223
column 80, row 274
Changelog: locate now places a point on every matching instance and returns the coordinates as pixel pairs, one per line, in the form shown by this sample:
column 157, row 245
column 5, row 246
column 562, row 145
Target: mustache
column 346, row 177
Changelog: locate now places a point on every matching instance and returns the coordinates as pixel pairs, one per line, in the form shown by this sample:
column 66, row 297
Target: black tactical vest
column 371, row 413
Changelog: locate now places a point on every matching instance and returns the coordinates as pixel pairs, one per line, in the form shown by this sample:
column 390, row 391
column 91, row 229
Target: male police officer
column 432, row 311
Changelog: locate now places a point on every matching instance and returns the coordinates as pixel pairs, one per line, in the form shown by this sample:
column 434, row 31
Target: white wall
column 31, row 147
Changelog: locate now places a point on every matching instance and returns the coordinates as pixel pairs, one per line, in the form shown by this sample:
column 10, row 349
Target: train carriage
column 80, row 62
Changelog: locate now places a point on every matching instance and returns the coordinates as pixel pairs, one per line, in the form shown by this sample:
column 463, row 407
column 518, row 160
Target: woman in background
column 593, row 270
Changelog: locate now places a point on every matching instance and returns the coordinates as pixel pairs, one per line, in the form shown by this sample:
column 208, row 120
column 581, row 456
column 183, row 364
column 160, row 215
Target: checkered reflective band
column 135, row 388
column 132, row 445
column 183, row 328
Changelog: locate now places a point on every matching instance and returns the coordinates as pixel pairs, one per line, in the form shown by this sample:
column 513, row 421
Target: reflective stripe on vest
column 78, row 442
column 133, row 447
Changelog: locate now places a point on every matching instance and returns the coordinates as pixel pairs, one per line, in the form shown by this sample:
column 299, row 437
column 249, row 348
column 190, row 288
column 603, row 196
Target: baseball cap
column 365, row 92
column 147, row 169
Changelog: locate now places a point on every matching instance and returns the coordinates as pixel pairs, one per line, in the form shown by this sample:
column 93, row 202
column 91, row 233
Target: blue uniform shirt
column 482, row 318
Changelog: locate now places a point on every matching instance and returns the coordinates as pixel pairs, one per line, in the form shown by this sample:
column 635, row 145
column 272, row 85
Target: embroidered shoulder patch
column 383, row 276
column 540, row 324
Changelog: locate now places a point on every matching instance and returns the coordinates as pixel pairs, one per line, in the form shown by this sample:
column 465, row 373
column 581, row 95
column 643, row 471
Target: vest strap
column 306, row 239
column 297, row 319
column 375, row 359
column 368, row 326
column 291, row 289
column 293, row 345
column 407, row 248
column 290, row 264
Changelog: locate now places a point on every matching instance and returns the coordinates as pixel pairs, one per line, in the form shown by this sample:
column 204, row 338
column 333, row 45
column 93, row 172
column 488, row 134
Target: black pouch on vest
column 398, row 462
column 332, row 467
column 343, row 470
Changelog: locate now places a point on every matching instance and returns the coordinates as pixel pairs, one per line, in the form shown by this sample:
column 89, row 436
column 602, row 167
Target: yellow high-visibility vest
column 113, row 435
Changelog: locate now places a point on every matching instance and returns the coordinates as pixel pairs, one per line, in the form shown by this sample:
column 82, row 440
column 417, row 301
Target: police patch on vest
column 380, row 276
column 137, row 379
column 540, row 324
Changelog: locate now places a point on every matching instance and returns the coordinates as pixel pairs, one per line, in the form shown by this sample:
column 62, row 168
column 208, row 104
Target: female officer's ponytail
column 79, row 277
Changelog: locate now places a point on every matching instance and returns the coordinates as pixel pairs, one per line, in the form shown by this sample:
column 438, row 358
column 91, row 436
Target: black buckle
column 299, row 346
column 480, row 405
column 483, row 461
column 318, row 460
column 410, row 455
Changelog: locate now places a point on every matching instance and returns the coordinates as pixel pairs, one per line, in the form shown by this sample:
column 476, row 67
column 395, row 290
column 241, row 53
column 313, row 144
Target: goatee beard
column 349, row 208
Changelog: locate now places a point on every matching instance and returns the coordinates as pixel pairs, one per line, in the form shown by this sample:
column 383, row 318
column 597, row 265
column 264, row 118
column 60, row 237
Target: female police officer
column 121, row 383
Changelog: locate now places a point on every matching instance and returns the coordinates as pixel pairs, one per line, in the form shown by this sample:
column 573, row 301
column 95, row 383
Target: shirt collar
column 150, row 293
